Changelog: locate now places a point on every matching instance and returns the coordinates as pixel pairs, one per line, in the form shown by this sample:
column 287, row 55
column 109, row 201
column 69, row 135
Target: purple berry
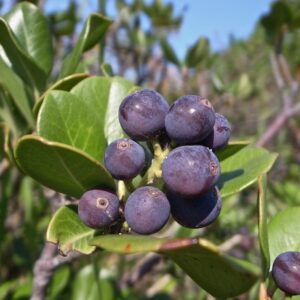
column 286, row 272
column 191, row 170
column 98, row 208
column 124, row 159
column 142, row 114
column 220, row 135
column 197, row 212
column 190, row 119
column 147, row 210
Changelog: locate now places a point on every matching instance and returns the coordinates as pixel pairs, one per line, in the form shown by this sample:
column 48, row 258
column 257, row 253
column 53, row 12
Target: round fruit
column 191, row 170
column 190, row 119
column 124, row 159
column 286, row 272
column 147, row 210
column 98, row 208
column 198, row 212
column 220, row 135
column 142, row 114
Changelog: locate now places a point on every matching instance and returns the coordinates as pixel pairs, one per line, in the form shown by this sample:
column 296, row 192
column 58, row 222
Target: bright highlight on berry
column 142, row 114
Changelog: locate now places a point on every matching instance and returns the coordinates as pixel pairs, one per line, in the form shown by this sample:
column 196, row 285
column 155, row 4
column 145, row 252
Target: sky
column 215, row 19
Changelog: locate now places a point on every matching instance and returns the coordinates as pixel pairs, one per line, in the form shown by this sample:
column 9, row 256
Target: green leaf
column 169, row 53
column 67, row 230
column 104, row 95
column 231, row 149
column 262, row 224
column 58, row 282
column 60, row 167
column 32, row 33
column 107, row 70
column 89, row 285
column 242, row 169
column 21, row 62
column 12, row 83
column 197, row 53
column 219, row 274
column 92, row 33
column 284, row 231
column 70, row 120
column 64, row 84
column 2, row 140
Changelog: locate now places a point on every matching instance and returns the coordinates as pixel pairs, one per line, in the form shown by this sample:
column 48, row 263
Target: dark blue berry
column 191, row 170
column 142, row 114
column 147, row 210
column 190, row 119
column 220, row 135
column 286, row 272
column 124, row 159
column 197, row 212
column 98, row 208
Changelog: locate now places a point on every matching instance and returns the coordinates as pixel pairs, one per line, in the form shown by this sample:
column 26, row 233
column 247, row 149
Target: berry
column 190, row 170
column 142, row 114
column 98, row 208
column 198, row 212
column 124, row 159
column 220, row 135
column 190, row 119
column 286, row 272
column 147, row 210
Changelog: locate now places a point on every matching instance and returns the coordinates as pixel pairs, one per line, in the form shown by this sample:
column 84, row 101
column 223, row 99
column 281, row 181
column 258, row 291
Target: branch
column 44, row 268
column 282, row 74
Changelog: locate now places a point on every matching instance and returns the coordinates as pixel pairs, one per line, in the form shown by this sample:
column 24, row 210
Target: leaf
column 105, row 95
column 89, row 285
column 107, row 70
column 231, row 149
column 197, row 53
column 284, row 231
column 58, row 282
column 64, row 84
column 219, row 274
column 21, row 62
column 71, row 120
column 262, row 224
column 92, row 33
column 32, row 33
column 242, row 169
column 169, row 53
column 67, row 230
column 12, row 83
column 60, row 167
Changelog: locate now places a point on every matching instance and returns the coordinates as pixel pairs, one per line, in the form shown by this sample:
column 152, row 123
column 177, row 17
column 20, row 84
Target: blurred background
column 227, row 51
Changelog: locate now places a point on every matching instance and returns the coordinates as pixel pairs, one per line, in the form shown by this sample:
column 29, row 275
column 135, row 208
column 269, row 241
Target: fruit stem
column 121, row 190
column 271, row 288
column 129, row 186
column 154, row 172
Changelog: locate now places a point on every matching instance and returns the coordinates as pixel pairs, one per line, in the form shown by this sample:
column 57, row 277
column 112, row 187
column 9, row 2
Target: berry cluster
column 190, row 170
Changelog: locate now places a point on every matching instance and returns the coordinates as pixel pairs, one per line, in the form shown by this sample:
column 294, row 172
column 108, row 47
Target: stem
column 273, row 129
column 45, row 267
column 102, row 10
column 121, row 190
column 154, row 172
column 96, row 273
column 129, row 186
column 271, row 288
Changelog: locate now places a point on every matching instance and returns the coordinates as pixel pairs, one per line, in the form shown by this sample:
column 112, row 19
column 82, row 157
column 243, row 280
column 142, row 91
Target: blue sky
column 215, row 19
